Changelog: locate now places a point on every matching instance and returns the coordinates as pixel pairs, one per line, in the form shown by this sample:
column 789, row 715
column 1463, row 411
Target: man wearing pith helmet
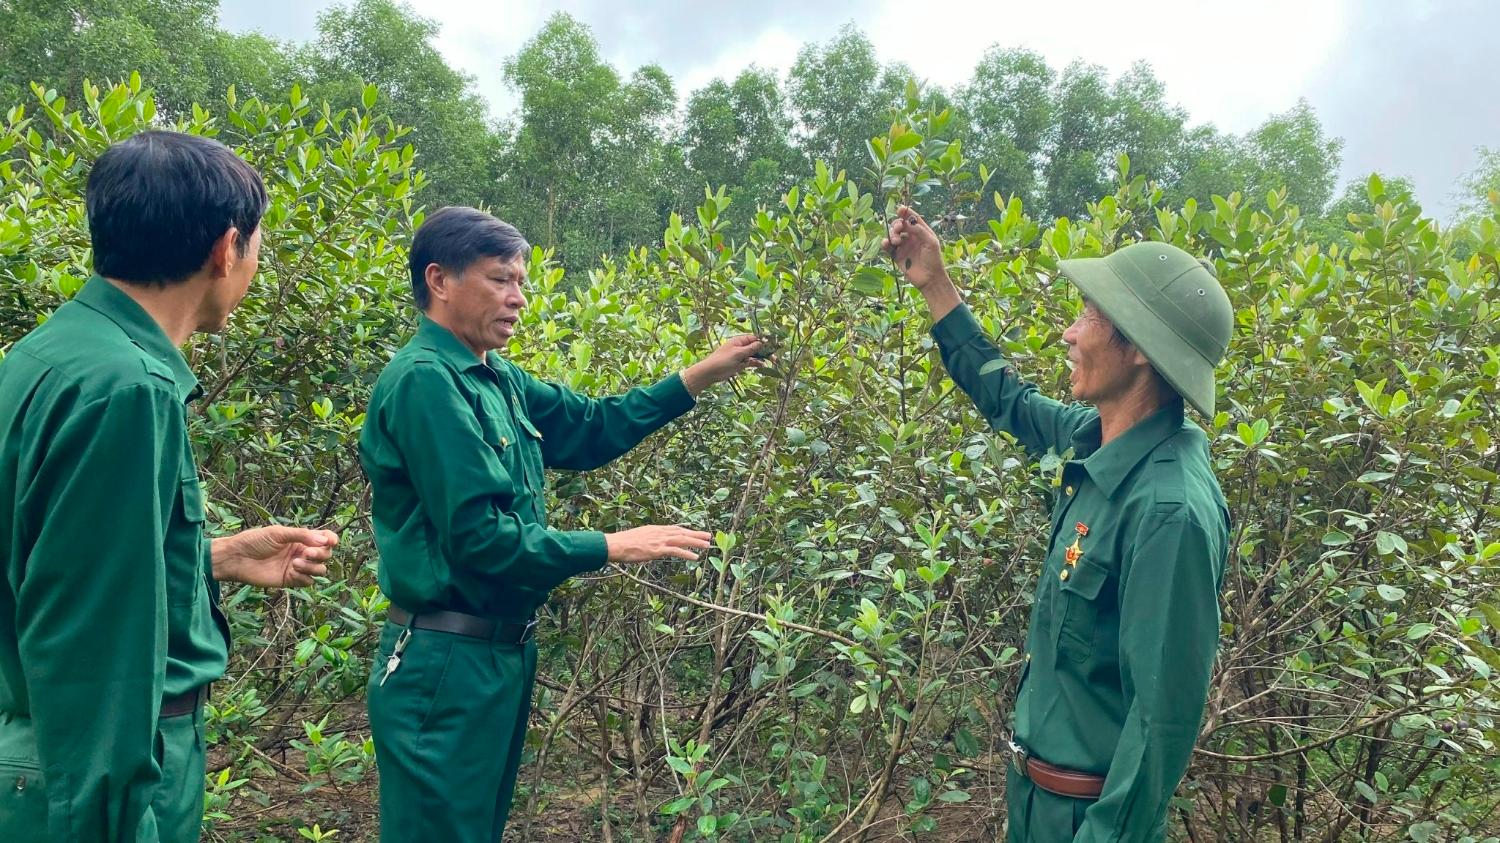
column 1126, row 618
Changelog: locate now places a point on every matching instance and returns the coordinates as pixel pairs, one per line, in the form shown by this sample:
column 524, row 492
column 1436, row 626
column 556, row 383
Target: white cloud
column 1228, row 63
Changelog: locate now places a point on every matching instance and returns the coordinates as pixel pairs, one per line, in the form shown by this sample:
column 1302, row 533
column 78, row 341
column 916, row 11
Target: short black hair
column 158, row 201
column 454, row 238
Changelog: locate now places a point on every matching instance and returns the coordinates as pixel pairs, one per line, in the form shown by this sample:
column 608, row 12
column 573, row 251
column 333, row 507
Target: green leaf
column 955, row 796
column 869, row 281
column 1277, row 795
column 1422, row 832
column 904, row 141
column 1491, row 614
column 921, row 790
column 1390, row 593
column 965, row 742
column 1388, row 543
column 681, row 765
column 677, row 806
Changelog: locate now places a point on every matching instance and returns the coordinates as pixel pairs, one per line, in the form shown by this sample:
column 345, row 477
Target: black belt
column 185, row 703
column 459, row 623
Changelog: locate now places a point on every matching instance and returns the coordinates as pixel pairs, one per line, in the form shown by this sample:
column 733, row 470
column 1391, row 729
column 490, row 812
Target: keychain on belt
column 395, row 660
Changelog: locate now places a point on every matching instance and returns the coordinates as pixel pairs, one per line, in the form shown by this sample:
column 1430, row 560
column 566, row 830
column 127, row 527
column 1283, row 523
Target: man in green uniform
column 455, row 442
column 1126, row 619
column 110, row 630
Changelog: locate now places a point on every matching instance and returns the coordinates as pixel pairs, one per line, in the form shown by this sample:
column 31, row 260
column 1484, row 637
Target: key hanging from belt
column 395, row 660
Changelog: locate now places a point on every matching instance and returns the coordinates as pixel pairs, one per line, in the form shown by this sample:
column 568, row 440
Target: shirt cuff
column 957, row 328
column 590, row 552
column 671, row 394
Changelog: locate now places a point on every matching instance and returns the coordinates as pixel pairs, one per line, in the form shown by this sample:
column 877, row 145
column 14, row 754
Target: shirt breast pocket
column 498, row 435
column 1082, row 594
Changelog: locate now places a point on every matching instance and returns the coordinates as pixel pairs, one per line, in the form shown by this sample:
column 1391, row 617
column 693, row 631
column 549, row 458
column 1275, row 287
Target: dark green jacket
column 1126, row 620
column 108, row 600
column 455, row 448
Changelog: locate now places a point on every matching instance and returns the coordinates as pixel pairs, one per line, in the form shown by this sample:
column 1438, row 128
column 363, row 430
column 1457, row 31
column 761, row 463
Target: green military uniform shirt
column 109, row 601
column 455, row 448
column 1126, row 620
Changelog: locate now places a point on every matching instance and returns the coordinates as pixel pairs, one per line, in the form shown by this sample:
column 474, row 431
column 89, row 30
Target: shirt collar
column 1109, row 465
column 436, row 338
column 118, row 307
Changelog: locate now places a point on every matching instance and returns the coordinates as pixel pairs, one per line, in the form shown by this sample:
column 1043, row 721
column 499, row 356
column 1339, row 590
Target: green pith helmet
column 1169, row 305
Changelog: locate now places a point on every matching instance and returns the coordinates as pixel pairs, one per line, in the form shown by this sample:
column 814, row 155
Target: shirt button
column 1028, row 657
column 504, row 442
column 1064, row 575
column 1069, row 491
column 20, row 782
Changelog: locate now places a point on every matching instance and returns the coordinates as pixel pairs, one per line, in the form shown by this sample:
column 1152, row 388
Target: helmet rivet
column 1161, row 257
column 1200, row 292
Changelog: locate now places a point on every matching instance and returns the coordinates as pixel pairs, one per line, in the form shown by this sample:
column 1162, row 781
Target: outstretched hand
column 643, row 544
column 728, row 360
column 274, row 556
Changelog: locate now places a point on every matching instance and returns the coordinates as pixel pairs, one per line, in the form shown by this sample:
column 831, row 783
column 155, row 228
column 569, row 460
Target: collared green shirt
column 108, row 601
column 455, row 448
column 1126, row 619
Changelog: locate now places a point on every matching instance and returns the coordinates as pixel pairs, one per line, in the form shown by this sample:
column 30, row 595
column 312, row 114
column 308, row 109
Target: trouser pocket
column 23, row 802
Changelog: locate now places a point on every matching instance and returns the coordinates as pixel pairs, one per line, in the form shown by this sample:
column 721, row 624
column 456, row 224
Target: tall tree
column 1290, row 151
column 1079, row 153
column 1006, row 115
column 62, row 42
column 1145, row 126
column 1210, row 163
column 1480, row 184
column 842, row 98
column 738, row 136
column 589, row 169
column 384, row 43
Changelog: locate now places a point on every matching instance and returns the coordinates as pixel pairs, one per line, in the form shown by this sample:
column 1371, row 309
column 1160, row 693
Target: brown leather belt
column 185, row 703
column 1054, row 779
column 459, row 623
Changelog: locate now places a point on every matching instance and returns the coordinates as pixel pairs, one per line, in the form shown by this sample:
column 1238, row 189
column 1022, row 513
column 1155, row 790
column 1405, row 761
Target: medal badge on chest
column 1074, row 551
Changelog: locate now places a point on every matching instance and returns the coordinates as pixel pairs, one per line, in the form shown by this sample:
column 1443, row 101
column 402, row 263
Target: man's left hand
column 274, row 556
column 736, row 355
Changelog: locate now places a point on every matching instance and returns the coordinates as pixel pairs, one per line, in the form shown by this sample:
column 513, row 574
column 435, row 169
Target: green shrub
column 847, row 653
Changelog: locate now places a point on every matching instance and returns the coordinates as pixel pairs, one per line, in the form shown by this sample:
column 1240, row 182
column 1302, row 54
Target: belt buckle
column 1018, row 754
column 530, row 631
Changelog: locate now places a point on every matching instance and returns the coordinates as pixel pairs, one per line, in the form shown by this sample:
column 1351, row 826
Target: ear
column 439, row 282
column 224, row 254
column 1137, row 358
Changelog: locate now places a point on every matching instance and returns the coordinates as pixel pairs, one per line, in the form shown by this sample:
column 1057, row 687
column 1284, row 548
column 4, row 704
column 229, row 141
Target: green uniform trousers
column 176, row 814
column 178, row 804
column 449, row 726
column 1034, row 815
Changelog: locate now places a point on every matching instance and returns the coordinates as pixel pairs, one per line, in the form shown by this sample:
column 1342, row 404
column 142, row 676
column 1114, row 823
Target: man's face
column 484, row 303
column 227, row 294
column 1104, row 366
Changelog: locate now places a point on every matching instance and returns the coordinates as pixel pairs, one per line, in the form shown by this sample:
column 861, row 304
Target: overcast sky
column 1412, row 86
